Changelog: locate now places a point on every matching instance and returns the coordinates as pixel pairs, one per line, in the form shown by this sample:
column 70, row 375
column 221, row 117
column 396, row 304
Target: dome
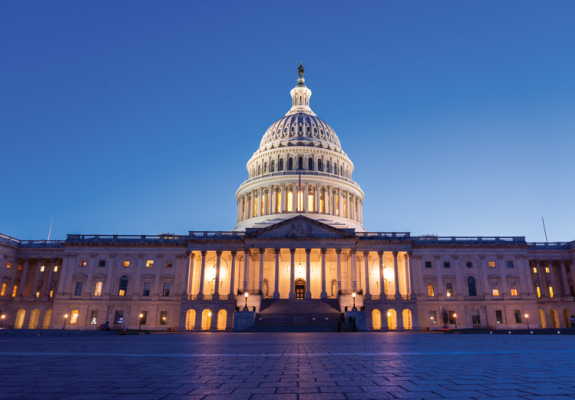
column 302, row 129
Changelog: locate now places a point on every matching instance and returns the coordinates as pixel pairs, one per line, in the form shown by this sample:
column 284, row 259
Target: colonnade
column 544, row 276
column 288, row 198
column 41, row 288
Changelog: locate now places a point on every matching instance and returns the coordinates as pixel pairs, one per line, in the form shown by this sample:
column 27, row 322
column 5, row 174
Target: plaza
column 287, row 366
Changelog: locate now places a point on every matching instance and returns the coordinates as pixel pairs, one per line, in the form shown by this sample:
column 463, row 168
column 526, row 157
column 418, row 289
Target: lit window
column 433, row 318
column 83, row 263
column 98, row 290
column 518, row 316
column 169, row 264
column 491, row 264
column 14, row 290
column 428, row 264
column 94, row 317
column 123, row 288
column 430, row 290
column 446, row 264
column 290, row 202
column 256, row 207
column 9, row 265
column 509, row 264
column 146, row 289
column 550, row 290
column 534, row 270
column 126, row 263
column 78, row 291
column 163, row 317
column 74, row 317
column 278, row 201
column 38, row 293
column 52, row 289
column 102, row 263
column 452, row 317
column 499, row 316
column 166, row 291
column 495, row 288
column 55, row 268
column 310, row 203
column 20, row 267
column 144, row 317
column 547, row 269
column 344, row 208
column 300, row 201
column 538, row 290
column 119, row 317
column 449, row 289
column 337, row 206
column 149, row 263
column 3, row 290
column 513, row 288
column 263, row 205
column 42, row 268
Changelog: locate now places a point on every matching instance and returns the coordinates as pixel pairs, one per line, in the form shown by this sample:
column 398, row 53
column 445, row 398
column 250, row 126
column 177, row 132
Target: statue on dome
column 300, row 70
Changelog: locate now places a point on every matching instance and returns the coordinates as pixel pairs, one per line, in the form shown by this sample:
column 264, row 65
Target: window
column 300, row 162
column 265, row 168
column 119, row 317
column 491, row 264
column 169, row 264
column 123, row 288
column 327, row 166
column 38, row 290
column 55, row 268
column 475, row 319
column 98, row 289
column 469, row 264
column 499, row 316
column 513, row 286
column 14, row 290
column 9, row 265
column 534, row 270
column 319, row 166
column 471, row 286
column 538, row 290
column 290, row 164
column 163, row 317
column 310, row 164
column 572, row 289
column 149, row 263
column 518, row 316
column 74, row 317
column 452, row 317
column 495, row 288
column 446, row 264
column 102, row 263
column 449, row 289
column 550, row 290
column 83, row 263
column 430, row 290
column 146, row 289
column 19, row 267
column 3, row 290
column 509, row 264
column 166, row 291
column 52, row 289
column 281, row 165
column 126, row 263
column 94, row 317
column 42, row 268
column 567, row 268
column 278, row 201
column 290, row 201
column 78, row 291
column 144, row 317
column 310, row 202
column 428, row 264
column 433, row 318
column 273, row 166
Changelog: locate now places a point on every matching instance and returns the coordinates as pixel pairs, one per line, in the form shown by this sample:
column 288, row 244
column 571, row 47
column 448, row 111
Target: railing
column 387, row 235
column 125, row 237
column 216, row 234
column 296, row 173
column 551, row 246
column 30, row 243
column 432, row 239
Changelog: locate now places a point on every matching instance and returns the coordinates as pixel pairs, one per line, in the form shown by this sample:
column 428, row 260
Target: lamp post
column 65, row 317
column 527, row 318
column 141, row 316
column 2, row 320
column 246, row 307
column 455, row 319
column 353, row 309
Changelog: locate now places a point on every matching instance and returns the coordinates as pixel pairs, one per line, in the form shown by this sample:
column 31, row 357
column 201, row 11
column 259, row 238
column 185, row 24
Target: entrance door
column 300, row 289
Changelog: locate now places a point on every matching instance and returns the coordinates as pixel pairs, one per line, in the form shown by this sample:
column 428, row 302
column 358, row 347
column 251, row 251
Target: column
column 484, row 270
column 217, row 288
column 277, row 275
column 338, row 252
column 317, row 198
column 353, row 272
column 232, row 293
column 49, row 283
column 367, row 295
column 504, row 287
column 412, row 295
column 306, row 200
column 525, row 266
column 188, row 272
column 552, row 278
column 202, row 276
column 361, row 212
column 283, row 198
column 348, row 205
column 36, row 278
column 564, row 281
column 296, row 205
column 23, row 278
column 323, row 291
column 261, row 285
column 381, row 277
column 88, row 285
column 273, row 201
column 246, row 268
column 245, row 213
column 307, row 274
column 239, row 210
column 340, row 202
column 396, row 277
column 542, row 284
column 269, row 209
column 327, row 200
column 292, row 275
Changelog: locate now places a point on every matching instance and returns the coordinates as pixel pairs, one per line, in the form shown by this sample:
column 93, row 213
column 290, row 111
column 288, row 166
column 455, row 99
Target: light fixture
column 209, row 314
column 389, row 314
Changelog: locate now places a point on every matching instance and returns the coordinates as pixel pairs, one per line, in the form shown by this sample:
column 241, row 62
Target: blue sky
column 139, row 117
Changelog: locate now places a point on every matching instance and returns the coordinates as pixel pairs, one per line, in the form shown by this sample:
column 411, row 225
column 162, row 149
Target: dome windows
column 310, row 164
column 300, row 163
column 314, row 130
column 319, row 166
column 307, row 129
column 290, row 164
column 273, row 166
column 281, row 165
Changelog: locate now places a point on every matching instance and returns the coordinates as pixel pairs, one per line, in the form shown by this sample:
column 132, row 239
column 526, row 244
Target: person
column 339, row 326
column 107, row 326
column 572, row 320
column 354, row 326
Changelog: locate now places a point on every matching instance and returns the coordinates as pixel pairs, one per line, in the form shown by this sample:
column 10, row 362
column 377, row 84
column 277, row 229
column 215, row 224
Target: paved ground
column 288, row 366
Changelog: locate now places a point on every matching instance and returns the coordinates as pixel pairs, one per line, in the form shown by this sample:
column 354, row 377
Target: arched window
column 340, row 170
column 542, row 320
column 392, row 319
column 300, row 163
column 34, row 317
column 273, row 166
column 327, row 166
column 259, row 169
column 319, row 166
column 310, row 164
column 407, row 323
column 290, row 163
column 222, row 320
column 47, row 319
column 555, row 319
column 206, row 320
column 123, row 288
column 471, row 286
column 20, row 319
column 190, row 320
column 281, row 165
column 265, row 168
column 376, row 319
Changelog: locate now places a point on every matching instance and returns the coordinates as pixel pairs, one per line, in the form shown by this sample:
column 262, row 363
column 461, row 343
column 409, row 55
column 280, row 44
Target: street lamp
column 65, row 317
column 2, row 320
column 353, row 309
column 141, row 316
column 526, row 317
column 455, row 318
column 246, row 307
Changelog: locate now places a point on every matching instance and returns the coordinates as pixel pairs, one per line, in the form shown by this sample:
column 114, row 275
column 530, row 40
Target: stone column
column 273, row 202
column 189, row 271
column 269, row 209
column 361, row 212
column 328, row 200
column 283, row 198
column 23, row 278
column 353, row 271
column 276, row 295
column 245, row 211
column 484, row 270
column 217, row 288
column 202, row 276
column 542, row 285
column 261, row 285
column 49, row 283
column 381, row 277
column 306, row 198
column 340, row 202
column 564, row 281
column 412, row 295
column 246, row 268
column 367, row 295
column 525, row 266
column 396, row 277
column 317, row 198
column 36, row 278
column 323, row 291
column 238, row 216
column 338, row 252
column 232, row 293
column 292, row 275
column 348, row 205
column 307, row 274
column 553, row 281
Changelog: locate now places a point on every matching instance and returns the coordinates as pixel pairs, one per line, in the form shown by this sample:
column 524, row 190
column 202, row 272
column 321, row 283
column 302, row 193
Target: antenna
column 544, row 230
column 50, row 231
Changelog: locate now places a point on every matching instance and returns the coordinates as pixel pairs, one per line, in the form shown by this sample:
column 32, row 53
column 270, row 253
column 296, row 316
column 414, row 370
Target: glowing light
column 209, row 314
column 353, row 294
column 388, row 314
column 246, row 294
column 141, row 315
column 526, row 315
column 65, row 315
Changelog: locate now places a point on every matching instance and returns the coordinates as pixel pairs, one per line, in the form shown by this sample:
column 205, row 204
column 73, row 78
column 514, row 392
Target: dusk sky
column 139, row 117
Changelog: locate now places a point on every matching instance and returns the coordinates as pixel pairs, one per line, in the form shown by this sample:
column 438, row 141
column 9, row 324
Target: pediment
column 299, row 227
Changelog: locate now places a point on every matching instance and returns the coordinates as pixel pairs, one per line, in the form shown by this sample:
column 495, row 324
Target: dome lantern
column 300, row 96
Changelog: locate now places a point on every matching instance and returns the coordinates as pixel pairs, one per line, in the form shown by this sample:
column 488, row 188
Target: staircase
column 296, row 316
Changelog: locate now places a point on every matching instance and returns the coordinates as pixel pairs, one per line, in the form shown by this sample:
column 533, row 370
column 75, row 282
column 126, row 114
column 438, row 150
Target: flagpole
column 299, row 193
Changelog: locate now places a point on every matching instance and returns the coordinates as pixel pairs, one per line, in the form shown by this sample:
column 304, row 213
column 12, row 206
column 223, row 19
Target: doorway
column 299, row 289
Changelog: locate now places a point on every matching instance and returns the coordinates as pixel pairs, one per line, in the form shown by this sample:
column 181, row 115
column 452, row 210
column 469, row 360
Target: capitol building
column 297, row 259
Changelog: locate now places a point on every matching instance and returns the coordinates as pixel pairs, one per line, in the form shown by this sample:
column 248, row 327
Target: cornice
column 469, row 246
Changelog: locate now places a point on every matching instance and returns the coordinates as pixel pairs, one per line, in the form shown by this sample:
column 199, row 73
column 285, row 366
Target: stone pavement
column 288, row 366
